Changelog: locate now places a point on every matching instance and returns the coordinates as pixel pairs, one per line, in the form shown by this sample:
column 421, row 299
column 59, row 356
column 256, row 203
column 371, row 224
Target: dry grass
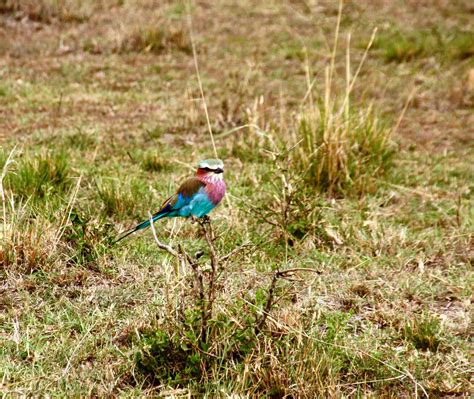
column 343, row 147
column 372, row 248
column 48, row 11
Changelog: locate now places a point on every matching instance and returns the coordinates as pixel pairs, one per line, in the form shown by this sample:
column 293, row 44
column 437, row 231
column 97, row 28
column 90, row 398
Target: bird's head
column 211, row 168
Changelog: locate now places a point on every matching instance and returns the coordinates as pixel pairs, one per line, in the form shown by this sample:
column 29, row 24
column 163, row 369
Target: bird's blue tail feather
column 141, row 226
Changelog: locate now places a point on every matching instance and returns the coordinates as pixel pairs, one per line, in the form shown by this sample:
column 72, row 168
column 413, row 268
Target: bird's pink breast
column 216, row 191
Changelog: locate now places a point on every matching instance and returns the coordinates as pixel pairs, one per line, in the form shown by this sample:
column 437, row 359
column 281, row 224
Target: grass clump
column 343, row 151
column 342, row 146
column 26, row 237
column 156, row 39
column 86, row 237
column 398, row 46
column 81, row 140
column 423, row 333
column 151, row 161
column 460, row 45
column 39, row 176
column 24, row 250
column 178, row 357
column 122, row 199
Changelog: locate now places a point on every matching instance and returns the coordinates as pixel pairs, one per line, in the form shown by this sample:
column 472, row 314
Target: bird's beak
column 219, row 170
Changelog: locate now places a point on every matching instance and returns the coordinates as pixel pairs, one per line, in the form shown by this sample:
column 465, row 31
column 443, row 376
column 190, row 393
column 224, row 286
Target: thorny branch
column 209, row 236
column 199, row 280
column 204, row 282
column 268, row 304
column 207, row 292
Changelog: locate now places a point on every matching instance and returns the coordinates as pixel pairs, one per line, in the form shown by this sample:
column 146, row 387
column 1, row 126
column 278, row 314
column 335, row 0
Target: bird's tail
column 142, row 225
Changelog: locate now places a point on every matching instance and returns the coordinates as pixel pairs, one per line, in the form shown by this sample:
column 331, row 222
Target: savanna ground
column 360, row 179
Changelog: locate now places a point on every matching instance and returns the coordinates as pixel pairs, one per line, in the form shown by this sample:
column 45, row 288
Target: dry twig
column 205, row 283
column 271, row 292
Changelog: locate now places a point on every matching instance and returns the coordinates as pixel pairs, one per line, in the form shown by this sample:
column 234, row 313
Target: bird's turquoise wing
column 190, row 200
column 184, row 196
column 176, row 205
column 201, row 204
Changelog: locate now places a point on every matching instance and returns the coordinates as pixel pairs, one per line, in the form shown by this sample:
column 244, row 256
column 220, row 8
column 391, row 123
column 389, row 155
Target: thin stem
column 2, row 191
column 271, row 292
column 196, row 66
column 209, row 236
column 160, row 244
column 268, row 305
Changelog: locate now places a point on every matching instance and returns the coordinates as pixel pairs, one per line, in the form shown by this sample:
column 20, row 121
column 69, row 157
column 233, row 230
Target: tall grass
column 343, row 146
column 342, row 152
column 25, row 241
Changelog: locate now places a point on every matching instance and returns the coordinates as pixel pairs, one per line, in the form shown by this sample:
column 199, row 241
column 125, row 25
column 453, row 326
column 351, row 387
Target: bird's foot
column 203, row 221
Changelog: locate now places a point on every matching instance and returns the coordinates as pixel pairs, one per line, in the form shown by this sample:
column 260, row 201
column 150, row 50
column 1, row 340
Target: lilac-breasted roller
column 197, row 196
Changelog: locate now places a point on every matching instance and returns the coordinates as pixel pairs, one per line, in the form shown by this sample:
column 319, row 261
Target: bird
column 196, row 197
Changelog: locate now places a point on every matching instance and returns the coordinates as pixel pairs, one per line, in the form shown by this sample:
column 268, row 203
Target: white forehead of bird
column 211, row 164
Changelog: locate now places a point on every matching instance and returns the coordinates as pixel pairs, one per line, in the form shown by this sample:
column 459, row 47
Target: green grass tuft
column 424, row 333
column 343, row 152
column 152, row 161
column 87, row 237
column 39, row 176
column 123, row 199
column 460, row 45
column 400, row 46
